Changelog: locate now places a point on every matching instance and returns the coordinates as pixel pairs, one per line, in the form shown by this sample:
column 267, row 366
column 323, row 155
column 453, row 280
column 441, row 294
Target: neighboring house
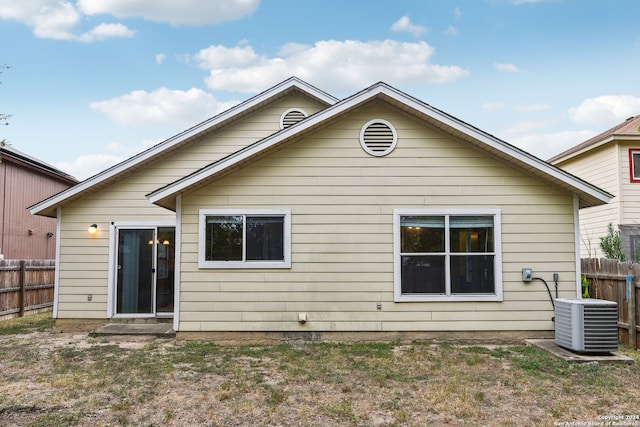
column 610, row 160
column 25, row 180
column 295, row 212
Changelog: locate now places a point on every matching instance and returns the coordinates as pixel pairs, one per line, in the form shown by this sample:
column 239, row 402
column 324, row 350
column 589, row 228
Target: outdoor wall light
column 93, row 228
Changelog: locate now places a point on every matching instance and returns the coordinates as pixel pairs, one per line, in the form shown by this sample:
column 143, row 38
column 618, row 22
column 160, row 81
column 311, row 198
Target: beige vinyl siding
column 342, row 203
column 84, row 259
column 599, row 167
column 630, row 191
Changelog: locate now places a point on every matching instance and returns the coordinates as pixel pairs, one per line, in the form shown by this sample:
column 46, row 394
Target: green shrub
column 611, row 244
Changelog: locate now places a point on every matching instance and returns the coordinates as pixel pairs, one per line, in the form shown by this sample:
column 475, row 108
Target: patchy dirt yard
column 50, row 379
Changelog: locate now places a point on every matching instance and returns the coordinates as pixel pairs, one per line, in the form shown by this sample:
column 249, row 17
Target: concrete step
column 155, row 329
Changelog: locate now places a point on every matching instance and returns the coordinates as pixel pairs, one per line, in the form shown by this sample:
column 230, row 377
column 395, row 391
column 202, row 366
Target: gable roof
column 13, row 155
column 589, row 195
column 629, row 129
column 48, row 207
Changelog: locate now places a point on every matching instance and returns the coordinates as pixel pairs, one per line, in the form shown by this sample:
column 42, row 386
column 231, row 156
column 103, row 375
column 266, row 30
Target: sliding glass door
column 165, row 266
column 145, row 270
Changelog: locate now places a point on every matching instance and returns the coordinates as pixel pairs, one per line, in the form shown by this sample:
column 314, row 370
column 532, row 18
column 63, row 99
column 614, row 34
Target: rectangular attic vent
column 587, row 325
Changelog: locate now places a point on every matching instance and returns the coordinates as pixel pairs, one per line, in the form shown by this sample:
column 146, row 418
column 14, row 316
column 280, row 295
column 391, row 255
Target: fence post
column 21, row 295
column 631, row 309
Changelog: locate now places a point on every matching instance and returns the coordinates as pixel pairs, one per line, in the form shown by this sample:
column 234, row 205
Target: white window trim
column 203, row 263
column 632, row 161
column 397, row 262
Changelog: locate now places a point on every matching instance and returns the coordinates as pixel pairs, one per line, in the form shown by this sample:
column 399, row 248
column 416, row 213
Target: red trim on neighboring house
column 632, row 151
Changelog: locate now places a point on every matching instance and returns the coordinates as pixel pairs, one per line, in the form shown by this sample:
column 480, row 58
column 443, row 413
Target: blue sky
column 93, row 82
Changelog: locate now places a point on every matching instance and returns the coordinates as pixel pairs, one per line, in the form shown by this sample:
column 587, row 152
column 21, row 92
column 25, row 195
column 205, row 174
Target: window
column 245, row 239
column 634, row 164
column 635, row 248
column 447, row 255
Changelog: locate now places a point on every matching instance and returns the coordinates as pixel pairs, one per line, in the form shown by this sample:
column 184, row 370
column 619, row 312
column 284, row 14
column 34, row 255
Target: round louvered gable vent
column 291, row 117
column 378, row 137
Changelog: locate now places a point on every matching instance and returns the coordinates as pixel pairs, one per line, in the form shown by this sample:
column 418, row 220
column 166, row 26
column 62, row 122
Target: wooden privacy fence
column 26, row 286
column 611, row 280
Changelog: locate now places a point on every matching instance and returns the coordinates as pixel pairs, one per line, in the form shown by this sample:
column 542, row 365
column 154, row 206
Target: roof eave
column 577, row 151
column 589, row 195
column 31, row 163
column 48, row 206
column 567, row 155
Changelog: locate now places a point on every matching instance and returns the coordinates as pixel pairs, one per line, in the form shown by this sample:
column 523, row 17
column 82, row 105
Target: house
column 298, row 214
column 610, row 160
column 25, row 180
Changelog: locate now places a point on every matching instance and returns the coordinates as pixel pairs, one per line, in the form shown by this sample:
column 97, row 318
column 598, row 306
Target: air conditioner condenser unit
column 587, row 325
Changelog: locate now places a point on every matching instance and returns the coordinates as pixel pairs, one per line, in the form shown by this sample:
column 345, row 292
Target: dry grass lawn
column 50, row 379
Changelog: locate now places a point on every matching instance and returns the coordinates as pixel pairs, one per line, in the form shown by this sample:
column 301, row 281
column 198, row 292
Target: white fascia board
column 620, row 138
column 600, row 143
column 500, row 146
column 266, row 143
column 304, row 86
column 177, row 139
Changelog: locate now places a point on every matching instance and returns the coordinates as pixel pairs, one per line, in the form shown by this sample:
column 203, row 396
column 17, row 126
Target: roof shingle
column 630, row 127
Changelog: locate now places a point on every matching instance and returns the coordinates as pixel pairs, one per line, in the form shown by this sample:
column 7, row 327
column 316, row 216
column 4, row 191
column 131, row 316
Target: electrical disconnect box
column 527, row 274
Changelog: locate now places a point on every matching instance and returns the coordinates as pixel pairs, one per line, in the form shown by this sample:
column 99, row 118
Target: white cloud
column 606, row 110
column 333, row 65
column 492, row 107
column 88, row 165
column 509, row 68
column 292, row 48
column 541, row 137
column 547, row 145
column 457, row 13
column 47, row 18
column 451, row 31
column 60, row 19
column 104, row 31
column 218, row 57
column 533, row 107
column 161, row 108
column 57, row 19
column 160, row 58
column 188, row 12
column 404, row 24
column 54, row 20
column 528, row 127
